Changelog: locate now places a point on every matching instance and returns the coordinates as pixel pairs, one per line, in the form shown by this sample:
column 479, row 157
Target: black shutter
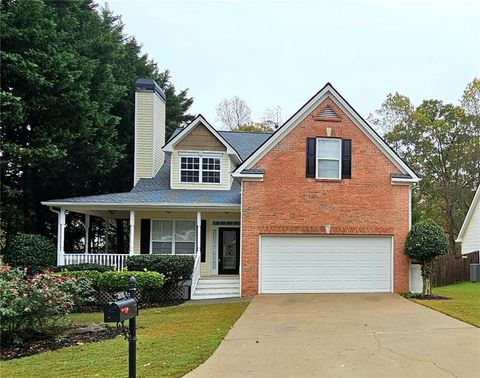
column 311, row 152
column 203, row 240
column 346, row 158
column 145, row 236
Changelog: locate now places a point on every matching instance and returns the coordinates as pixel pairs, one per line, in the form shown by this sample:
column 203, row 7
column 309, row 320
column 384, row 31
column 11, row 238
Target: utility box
column 474, row 272
column 120, row 311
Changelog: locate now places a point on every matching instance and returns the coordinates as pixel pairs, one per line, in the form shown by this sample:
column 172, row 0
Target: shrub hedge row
column 176, row 268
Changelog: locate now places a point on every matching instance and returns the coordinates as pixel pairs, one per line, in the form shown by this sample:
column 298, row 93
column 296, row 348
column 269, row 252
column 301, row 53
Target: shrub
column 175, row 268
column 425, row 242
column 31, row 251
column 148, row 283
column 92, row 275
column 84, row 266
column 36, row 304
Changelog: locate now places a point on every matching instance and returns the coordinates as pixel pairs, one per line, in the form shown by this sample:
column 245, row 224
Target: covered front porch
column 211, row 235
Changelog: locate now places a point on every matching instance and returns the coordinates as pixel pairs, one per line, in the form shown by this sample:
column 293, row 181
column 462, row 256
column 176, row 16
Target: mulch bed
column 431, row 297
column 75, row 335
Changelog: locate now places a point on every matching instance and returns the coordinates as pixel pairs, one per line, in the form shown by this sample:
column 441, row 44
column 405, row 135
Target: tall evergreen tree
column 67, row 106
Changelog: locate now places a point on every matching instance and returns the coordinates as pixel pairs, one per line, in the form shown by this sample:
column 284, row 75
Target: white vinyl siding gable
column 471, row 237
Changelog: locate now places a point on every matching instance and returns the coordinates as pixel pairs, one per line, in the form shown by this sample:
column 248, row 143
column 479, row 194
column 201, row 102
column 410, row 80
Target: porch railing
column 195, row 274
column 109, row 259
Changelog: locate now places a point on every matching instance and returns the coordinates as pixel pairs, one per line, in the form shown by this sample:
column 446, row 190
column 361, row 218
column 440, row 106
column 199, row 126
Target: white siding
column 158, row 134
column 471, row 237
column 149, row 134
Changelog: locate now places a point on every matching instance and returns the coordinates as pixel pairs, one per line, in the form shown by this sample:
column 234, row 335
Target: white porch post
column 61, row 238
column 132, row 233
column 199, row 233
column 87, row 232
column 107, row 223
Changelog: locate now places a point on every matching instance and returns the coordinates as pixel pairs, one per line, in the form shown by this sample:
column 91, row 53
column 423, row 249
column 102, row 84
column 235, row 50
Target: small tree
column 425, row 242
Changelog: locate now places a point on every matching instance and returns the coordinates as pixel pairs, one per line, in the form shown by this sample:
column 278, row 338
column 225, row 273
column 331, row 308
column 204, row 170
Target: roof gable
column 328, row 91
column 468, row 217
column 200, row 120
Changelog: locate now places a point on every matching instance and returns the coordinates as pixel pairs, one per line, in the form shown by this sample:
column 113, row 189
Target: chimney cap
column 149, row 85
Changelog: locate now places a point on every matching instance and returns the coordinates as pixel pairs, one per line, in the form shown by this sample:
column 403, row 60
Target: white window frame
column 317, row 158
column 200, row 156
column 174, row 221
column 180, row 169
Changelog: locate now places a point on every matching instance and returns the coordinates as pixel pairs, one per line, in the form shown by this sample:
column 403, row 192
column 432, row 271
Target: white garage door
column 325, row 264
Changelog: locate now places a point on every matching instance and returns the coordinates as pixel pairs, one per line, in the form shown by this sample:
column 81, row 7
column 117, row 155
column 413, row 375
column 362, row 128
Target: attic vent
column 328, row 114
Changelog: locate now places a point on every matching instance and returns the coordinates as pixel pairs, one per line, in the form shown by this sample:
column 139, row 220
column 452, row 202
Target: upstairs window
column 205, row 169
column 210, row 170
column 189, row 169
column 329, row 157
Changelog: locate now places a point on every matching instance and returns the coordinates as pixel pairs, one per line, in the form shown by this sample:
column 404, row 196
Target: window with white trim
column 189, row 169
column 329, row 158
column 205, row 169
column 173, row 237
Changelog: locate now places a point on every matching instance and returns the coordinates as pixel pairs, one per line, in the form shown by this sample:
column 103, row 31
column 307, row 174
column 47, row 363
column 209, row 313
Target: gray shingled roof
column 245, row 143
column 157, row 189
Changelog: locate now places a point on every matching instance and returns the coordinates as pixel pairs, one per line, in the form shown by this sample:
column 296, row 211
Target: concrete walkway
column 344, row 335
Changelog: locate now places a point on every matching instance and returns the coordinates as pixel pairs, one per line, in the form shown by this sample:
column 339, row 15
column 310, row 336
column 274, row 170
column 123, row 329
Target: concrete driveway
column 344, row 335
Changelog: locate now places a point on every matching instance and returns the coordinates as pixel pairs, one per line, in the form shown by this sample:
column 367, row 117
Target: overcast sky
column 281, row 53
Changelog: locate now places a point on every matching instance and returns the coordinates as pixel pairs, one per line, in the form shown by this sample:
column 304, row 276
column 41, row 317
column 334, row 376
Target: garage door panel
column 324, row 264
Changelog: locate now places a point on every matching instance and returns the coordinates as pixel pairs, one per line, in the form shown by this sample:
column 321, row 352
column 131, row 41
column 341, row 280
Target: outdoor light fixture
column 328, row 227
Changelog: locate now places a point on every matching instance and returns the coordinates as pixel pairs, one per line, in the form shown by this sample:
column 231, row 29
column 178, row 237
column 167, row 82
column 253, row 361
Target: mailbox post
column 132, row 334
column 118, row 312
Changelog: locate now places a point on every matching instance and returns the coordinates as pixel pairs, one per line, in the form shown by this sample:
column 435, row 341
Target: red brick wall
column 287, row 202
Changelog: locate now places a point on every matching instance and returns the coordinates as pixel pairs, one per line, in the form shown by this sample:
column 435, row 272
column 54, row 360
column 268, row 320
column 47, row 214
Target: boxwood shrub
column 84, row 266
column 175, row 268
column 31, row 251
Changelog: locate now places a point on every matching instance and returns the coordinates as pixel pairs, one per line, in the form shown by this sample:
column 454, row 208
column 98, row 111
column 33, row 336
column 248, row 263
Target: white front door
column 325, row 264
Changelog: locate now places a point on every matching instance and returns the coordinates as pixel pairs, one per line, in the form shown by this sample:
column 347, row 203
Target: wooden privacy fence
column 450, row 269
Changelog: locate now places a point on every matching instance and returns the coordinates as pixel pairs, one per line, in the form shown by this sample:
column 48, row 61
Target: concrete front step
column 214, row 284
column 214, row 296
column 218, row 287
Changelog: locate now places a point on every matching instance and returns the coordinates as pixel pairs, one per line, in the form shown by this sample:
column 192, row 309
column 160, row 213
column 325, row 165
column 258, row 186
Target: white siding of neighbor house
column 225, row 175
column 205, row 267
column 471, row 237
column 149, row 134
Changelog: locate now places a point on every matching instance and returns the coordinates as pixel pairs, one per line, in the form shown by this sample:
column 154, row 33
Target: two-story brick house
column 322, row 205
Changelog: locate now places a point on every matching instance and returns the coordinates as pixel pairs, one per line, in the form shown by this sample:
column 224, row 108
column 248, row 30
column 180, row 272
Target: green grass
column 171, row 342
column 463, row 305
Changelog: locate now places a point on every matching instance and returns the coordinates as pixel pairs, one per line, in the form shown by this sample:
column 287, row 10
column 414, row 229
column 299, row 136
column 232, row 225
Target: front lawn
column 171, row 342
column 463, row 305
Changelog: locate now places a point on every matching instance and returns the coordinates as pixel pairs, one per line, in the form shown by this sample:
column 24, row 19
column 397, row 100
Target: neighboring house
column 469, row 234
column 320, row 206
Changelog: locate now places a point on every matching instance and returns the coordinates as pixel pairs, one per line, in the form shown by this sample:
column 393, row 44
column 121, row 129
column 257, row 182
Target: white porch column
column 61, row 238
column 87, row 232
column 132, row 233
column 107, row 224
column 199, row 232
